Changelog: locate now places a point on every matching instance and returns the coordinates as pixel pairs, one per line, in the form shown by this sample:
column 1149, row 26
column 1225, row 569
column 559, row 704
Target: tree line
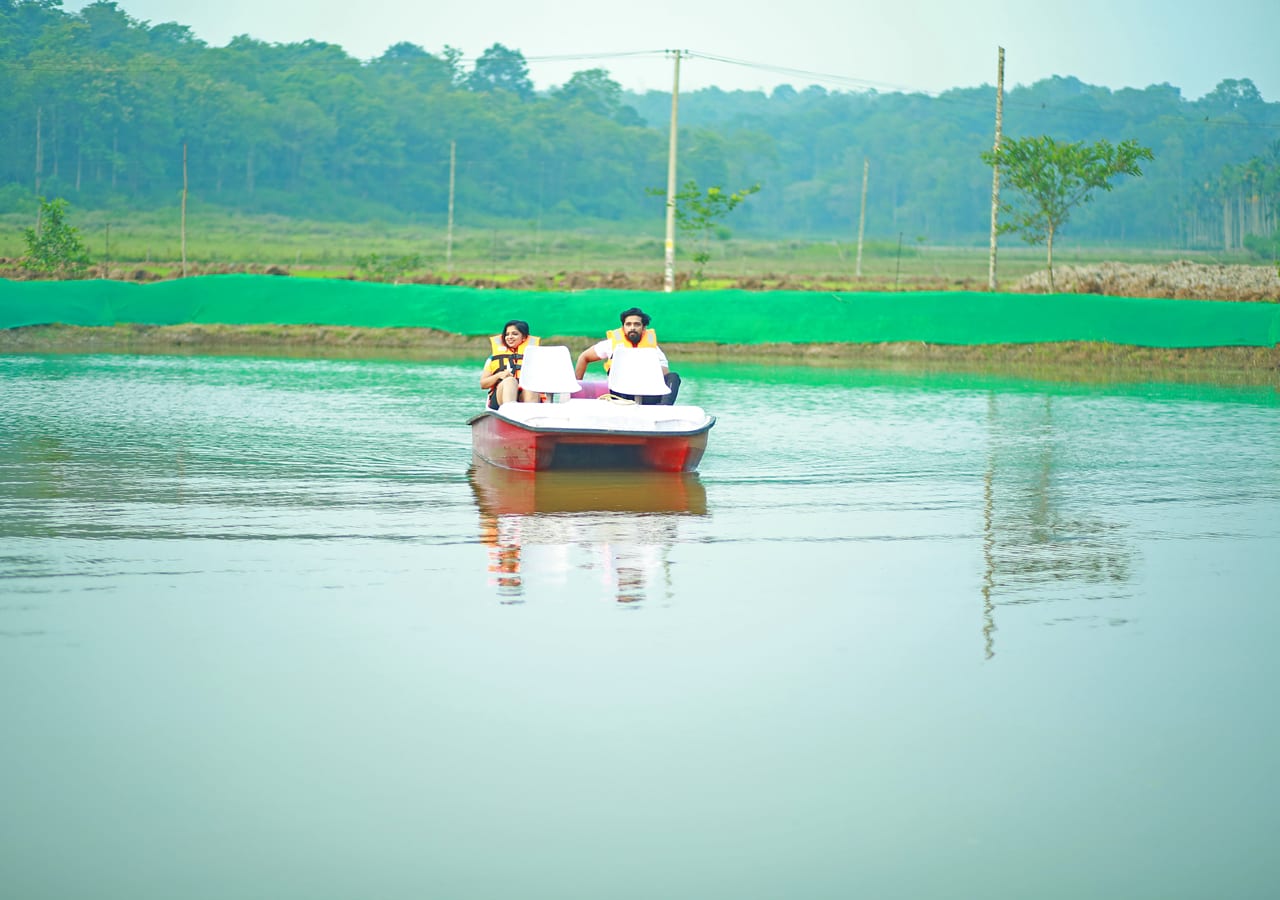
column 99, row 108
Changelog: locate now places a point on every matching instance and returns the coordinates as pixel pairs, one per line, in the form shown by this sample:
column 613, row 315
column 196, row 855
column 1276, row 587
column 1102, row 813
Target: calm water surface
column 266, row 633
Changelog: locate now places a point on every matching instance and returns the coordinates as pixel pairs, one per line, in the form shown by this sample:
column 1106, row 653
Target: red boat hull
column 502, row 442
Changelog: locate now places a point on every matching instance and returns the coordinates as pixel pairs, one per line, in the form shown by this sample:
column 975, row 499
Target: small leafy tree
column 54, row 246
column 699, row 214
column 1053, row 179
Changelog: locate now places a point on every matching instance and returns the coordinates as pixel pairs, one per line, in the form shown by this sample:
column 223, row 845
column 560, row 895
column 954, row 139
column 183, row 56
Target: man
column 635, row 332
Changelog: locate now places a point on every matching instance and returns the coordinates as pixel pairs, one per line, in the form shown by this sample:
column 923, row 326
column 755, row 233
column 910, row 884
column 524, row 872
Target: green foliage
column 14, row 198
column 375, row 267
column 699, row 214
column 1263, row 246
column 54, row 246
column 595, row 92
column 502, row 69
column 1054, row 178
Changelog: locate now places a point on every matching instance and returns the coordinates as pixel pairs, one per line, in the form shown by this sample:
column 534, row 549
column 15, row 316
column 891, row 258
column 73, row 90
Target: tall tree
column 1054, row 178
column 594, row 91
column 501, row 69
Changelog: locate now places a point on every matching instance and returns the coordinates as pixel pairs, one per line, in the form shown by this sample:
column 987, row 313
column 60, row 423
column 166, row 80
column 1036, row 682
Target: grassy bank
column 152, row 242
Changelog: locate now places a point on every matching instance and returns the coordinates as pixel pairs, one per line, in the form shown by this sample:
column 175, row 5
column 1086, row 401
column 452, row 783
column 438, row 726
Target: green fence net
column 726, row 317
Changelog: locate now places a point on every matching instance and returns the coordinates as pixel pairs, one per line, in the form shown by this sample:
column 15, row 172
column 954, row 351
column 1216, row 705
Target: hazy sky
column 911, row 45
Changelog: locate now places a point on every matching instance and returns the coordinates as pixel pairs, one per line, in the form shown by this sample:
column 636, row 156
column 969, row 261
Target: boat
column 585, row 432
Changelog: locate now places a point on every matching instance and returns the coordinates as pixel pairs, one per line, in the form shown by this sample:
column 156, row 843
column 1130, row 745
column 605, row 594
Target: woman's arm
column 490, row 380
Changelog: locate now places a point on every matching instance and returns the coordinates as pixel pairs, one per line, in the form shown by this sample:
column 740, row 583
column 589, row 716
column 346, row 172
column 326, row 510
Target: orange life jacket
column 618, row 339
column 503, row 356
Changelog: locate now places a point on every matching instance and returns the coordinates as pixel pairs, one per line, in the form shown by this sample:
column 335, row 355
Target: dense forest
column 99, row 108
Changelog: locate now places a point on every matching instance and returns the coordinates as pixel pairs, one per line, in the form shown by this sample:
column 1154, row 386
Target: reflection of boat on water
column 546, row 525
column 591, row 433
column 507, row 492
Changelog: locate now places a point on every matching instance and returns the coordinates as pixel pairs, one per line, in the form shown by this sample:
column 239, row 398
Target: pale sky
column 899, row 45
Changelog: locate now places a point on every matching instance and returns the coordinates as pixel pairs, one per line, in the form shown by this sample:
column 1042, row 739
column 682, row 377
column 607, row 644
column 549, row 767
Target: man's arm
column 585, row 358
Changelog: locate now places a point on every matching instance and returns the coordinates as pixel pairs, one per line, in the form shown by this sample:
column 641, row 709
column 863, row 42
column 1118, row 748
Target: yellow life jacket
column 618, row 339
column 501, row 356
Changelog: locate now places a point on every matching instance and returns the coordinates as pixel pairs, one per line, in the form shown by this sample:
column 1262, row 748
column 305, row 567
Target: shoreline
column 1177, row 279
column 1071, row 361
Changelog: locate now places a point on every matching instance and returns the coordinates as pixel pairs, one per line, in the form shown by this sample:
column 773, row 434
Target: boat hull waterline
column 591, row 434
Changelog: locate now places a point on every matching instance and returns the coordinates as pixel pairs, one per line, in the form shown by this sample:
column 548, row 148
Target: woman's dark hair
column 635, row 311
column 521, row 326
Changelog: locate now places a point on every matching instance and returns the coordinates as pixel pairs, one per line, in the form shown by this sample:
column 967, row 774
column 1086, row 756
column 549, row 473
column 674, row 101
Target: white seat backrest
column 637, row 371
column 548, row 370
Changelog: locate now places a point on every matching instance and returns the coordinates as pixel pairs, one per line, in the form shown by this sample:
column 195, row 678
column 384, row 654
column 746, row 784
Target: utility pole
column 669, row 260
column 39, row 166
column 995, row 172
column 184, row 209
column 448, row 238
column 39, row 148
column 862, row 216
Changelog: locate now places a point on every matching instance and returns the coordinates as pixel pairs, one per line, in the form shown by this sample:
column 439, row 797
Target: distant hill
column 98, row 108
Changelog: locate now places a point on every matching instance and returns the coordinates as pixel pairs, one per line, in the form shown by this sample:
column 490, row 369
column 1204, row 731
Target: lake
column 265, row 631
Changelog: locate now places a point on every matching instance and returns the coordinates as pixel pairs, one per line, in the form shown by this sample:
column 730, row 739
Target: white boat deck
column 606, row 415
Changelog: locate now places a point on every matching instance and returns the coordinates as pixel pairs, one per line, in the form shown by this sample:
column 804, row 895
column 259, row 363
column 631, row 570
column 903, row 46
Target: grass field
column 329, row 249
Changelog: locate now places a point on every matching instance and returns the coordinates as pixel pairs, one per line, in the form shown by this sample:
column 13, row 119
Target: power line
column 823, row 77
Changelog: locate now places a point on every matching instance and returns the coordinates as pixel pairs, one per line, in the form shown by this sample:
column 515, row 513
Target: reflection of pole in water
column 1041, row 547
column 989, row 536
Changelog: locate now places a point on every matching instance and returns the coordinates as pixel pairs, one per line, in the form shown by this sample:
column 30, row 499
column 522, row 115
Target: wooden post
column 995, row 172
column 862, row 216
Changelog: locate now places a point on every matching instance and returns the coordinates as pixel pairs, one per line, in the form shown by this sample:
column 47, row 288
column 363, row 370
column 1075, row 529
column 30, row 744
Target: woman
column 502, row 369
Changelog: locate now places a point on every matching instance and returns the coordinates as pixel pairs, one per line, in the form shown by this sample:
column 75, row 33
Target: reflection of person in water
column 501, row 534
column 628, row 567
column 634, row 551
column 582, row 535
column 528, row 550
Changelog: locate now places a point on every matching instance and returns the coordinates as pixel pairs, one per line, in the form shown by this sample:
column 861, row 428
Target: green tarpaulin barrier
column 727, row 317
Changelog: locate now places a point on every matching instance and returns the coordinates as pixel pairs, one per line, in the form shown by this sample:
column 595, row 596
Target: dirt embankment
column 1178, row 280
